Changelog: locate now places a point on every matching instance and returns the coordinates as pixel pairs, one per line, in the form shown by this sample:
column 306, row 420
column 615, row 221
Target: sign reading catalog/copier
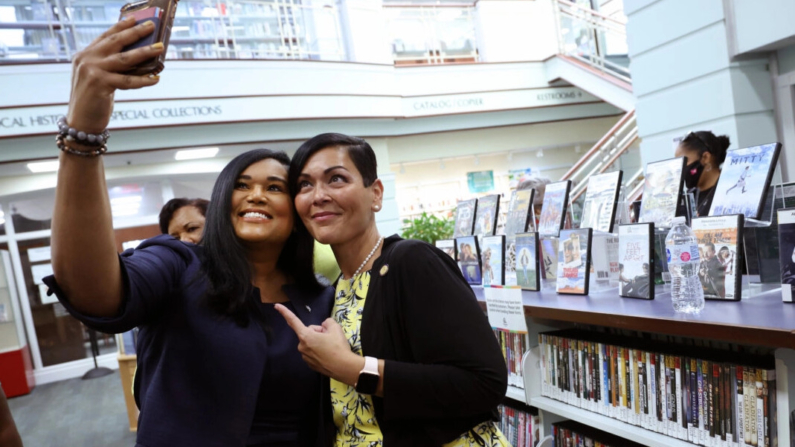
column 34, row 120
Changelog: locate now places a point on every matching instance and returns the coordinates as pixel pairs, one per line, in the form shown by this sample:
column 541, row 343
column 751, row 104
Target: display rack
column 762, row 321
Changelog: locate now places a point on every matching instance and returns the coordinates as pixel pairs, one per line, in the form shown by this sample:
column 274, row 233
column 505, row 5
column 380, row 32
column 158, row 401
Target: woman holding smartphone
column 217, row 365
column 411, row 357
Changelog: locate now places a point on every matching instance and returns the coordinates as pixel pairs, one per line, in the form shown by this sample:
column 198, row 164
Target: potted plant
column 428, row 228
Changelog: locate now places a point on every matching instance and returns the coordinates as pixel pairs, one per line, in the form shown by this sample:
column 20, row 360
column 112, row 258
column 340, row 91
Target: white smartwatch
column 368, row 377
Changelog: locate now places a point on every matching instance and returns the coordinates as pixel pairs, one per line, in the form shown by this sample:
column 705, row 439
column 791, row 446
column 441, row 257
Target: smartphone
column 161, row 12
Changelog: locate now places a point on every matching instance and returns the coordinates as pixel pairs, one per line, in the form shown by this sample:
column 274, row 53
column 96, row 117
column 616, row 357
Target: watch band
column 370, row 366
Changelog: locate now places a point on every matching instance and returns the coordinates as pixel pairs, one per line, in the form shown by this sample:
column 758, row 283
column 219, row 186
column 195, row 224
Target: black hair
column 224, row 257
column 359, row 151
column 706, row 141
column 171, row 207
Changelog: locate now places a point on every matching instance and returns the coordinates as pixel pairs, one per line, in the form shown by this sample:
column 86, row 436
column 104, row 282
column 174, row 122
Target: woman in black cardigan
column 411, row 357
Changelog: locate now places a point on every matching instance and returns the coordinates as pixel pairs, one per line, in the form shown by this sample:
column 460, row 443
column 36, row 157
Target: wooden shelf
column 614, row 426
column 763, row 319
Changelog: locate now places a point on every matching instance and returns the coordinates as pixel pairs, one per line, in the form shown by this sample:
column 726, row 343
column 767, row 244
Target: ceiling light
column 193, row 154
column 43, row 166
column 402, row 169
column 477, row 160
column 577, row 149
column 510, row 156
column 441, row 164
column 540, row 153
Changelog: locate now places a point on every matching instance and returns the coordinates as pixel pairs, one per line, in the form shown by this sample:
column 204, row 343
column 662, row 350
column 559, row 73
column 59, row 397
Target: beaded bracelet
column 60, row 141
column 87, row 139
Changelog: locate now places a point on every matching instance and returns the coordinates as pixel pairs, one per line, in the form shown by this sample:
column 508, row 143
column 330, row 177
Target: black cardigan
column 444, row 372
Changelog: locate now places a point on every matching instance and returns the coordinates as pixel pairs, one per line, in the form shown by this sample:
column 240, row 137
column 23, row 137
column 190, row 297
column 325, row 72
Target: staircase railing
column 592, row 38
column 604, row 154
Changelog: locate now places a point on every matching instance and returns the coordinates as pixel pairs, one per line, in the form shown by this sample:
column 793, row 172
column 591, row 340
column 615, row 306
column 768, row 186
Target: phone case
column 161, row 12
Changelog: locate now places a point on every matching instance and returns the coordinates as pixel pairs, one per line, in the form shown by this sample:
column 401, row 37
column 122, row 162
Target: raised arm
column 84, row 254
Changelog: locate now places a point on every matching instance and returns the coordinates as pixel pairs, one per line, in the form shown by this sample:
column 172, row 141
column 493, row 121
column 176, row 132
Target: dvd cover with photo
column 636, row 260
column 486, row 216
column 549, row 257
column 526, row 262
column 492, row 263
column 465, row 218
column 744, row 181
column 661, row 191
column 517, row 220
column 553, row 210
column 469, row 259
column 573, row 261
column 601, row 197
column 786, row 241
column 720, row 269
column 447, row 246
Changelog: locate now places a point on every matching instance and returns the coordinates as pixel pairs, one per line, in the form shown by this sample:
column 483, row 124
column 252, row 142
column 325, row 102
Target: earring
column 708, row 168
column 377, row 207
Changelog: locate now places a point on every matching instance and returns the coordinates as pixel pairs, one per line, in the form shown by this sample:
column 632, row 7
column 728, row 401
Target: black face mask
column 693, row 173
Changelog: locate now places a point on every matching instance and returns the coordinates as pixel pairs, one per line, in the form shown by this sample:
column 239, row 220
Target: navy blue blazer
column 198, row 372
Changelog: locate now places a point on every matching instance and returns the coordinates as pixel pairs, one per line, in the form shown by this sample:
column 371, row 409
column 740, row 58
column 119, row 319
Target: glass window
column 432, row 35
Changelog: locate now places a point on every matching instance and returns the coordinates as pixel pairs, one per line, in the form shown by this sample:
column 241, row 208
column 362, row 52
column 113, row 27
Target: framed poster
column 636, row 261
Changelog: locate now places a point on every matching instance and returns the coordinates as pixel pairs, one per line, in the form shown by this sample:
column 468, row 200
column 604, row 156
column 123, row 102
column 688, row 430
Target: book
column 661, row 191
column 526, row 261
column 469, row 258
column 465, row 218
column 720, row 269
column 744, row 181
column 447, row 246
column 492, row 256
column 574, row 261
column 786, row 250
column 553, row 209
column 601, row 197
column 486, row 215
column 636, row 260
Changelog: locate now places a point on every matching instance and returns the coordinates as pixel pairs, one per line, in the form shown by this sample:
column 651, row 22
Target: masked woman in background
column 412, row 359
column 705, row 154
column 217, row 366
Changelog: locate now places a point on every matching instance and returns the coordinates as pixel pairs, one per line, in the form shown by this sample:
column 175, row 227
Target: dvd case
column 447, row 246
column 486, row 216
column 465, row 218
column 718, row 245
column 786, row 241
column 601, row 197
column 636, row 260
column 553, row 209
column 526, row 261
column 574, row 261
column 493, row 260
column 744, row 181
column 661, row 191
column 469, row 258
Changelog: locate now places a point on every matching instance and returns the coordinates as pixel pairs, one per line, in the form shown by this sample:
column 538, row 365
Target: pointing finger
column 294, row 322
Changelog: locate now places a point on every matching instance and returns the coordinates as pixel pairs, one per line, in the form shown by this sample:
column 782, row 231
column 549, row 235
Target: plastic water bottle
column 681, row 248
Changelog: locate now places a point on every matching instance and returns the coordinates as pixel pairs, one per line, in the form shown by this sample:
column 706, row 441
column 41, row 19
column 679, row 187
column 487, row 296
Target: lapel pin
column 384, row 270
column 309, row 309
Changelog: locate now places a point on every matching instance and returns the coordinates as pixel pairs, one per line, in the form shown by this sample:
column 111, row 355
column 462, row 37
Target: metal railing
column 593, row 38
column 54, row 30
column 432, row 34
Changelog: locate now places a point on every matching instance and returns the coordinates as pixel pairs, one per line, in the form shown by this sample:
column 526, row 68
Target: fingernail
column 155, row 78
column 157, row 46
column 148, row 23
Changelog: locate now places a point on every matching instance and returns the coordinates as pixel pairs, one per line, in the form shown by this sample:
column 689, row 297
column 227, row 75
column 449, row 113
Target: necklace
column 367, row 259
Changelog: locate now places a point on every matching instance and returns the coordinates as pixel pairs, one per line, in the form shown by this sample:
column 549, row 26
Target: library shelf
column 761, row 319
column 516, row 394
column 613, row 426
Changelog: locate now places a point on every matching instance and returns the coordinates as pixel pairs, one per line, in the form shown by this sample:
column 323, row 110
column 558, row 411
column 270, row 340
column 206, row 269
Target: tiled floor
column 85, row 413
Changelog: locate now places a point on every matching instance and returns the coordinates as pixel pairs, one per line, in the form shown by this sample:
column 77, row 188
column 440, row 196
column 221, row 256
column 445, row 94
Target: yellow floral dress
column 354, row 414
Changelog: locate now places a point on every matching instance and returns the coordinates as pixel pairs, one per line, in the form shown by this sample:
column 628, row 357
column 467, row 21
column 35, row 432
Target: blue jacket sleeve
column 151, row 276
